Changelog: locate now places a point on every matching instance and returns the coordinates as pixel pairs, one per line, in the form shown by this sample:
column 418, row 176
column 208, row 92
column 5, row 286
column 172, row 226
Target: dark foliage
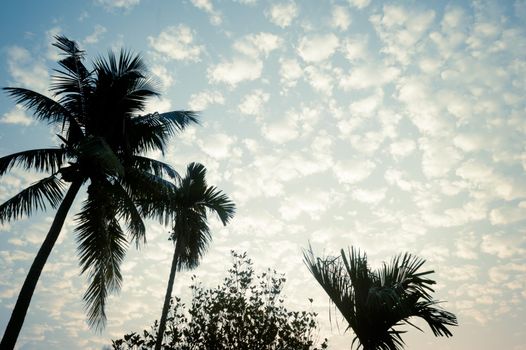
column 245, row 312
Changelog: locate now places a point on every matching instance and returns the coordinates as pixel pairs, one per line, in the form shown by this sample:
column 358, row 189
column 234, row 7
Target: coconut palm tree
column 374, row 302
column 191, row 201
column 103, row 137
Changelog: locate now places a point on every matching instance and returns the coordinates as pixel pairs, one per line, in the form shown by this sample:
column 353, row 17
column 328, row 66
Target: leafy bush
column 245, row 312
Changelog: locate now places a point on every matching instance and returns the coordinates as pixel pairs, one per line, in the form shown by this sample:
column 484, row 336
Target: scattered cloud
column 177, row 43
column 340, row 18
column 235, row 71
column 200, row 101
column 18, row 116
column 253, row 103
column 208, row 7
column 260, row 44
column 94, row 37
column 119, row 4
column 318, row 48
column 282, row 14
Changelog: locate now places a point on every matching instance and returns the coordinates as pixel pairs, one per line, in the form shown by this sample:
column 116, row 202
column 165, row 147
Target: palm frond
column 45, row 108
column 48, row 191
column 437, row 318
column 128, row 212
column 101, row 248
column 44, row 159
column 152, row 194
column 154, row 166
column 192, row 237
column 330, row 274
column 178, row 120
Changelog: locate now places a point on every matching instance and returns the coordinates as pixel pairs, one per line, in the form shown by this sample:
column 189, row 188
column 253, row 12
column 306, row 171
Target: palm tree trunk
column 164, row 314
column 28, row 288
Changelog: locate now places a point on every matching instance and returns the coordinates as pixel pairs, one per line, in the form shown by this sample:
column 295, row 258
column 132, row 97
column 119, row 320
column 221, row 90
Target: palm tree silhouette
column 192, row 200
column 374, row 302
column 102, row 138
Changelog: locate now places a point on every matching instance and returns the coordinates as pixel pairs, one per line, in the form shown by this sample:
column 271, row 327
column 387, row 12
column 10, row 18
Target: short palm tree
column 191, row 201
column 103, row 138
column 374, row 302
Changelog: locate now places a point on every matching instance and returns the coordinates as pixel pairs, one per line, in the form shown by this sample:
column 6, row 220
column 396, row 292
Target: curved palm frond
column 74, row 82
column 330, row 274
column 127, row 211
column 101, row 248
column 192, row 237
column 45, row 109
column 44, row 159
column 152, row 194
column 154, row 166
column 49, row 190
column 178, row 120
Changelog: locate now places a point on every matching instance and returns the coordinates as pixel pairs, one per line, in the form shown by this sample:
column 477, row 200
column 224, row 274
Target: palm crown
column 103, row 139
column 374, row 302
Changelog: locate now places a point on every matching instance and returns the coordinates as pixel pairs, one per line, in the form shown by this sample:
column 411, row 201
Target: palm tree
column 103, row 139
column 192, row 200
column 374, row 302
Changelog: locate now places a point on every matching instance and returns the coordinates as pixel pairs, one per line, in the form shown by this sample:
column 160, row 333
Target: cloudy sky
column 389, row 126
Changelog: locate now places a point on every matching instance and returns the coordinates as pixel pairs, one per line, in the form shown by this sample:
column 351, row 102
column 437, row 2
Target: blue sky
column 392, row 126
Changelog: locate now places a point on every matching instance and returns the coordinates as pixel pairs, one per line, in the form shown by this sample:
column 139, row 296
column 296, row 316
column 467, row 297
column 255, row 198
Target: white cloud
column 208, row 7
column 340, row 18
column 310, row 202
column 467, row 246
column 283, row 130
column 17, row 115
column 94, row 37
column 402, row 148
column 290, row 71
column 367, row 106
column 255, row 45
column 119, row 4
column 320, row 79
column 253, row 103
column 235, row 71
column 318, row 48
column 400, row 29
column 369, row 196
column 176, row 43
column 161, row 104
column 508, row 215
column 163, row 74
column 282, row 14
column 503, row 246
column 471, row 142
column 439, row 157
column 26, row 71
column 360, row 4
column 370, row 75
column 200, row 101
column 484, row 182
column 217, row 145
column 355, row 48
column 353, row 171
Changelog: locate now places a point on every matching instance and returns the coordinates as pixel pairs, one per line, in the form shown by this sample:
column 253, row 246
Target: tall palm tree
column 374, row 302
column 191, row 201
column 102, row 141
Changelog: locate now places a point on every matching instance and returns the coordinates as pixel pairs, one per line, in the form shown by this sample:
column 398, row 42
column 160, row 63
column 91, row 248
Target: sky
column 390, row 126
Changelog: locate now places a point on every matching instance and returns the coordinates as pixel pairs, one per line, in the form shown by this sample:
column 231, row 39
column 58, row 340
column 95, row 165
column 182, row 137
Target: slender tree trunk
column 28, row 288
column 164, row 314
